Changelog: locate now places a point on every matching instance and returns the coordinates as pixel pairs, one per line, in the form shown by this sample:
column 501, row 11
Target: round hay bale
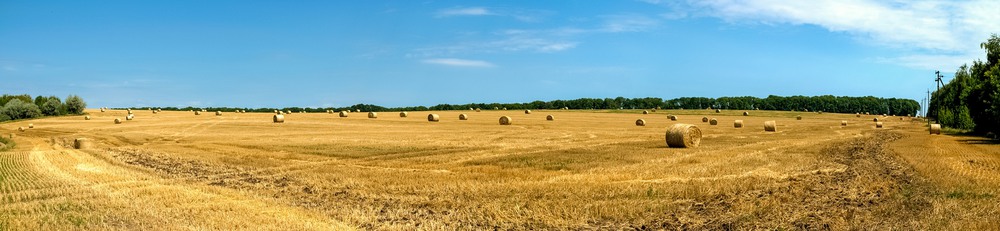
column 288, row 112
column 505, row 120
column 463, row 117
column 118, row 121
column 372, row 115
column 900, row 118
column 358, row 110
column 746, row 114
column 857, row 115
column 433, row 118
column 550, row 118
column 704, row 119
column 102, row 109
column 403, row 114
column 738, row 124
column 875, row 119
column 218, row 113
column 277, row 112
column 154, row 112
column 197, row 112
column 798, row 117
column 278, row 118
column 654, row 110
column 672, row 117
column 878, row 124
column 82, row 143
column 478, row 110
column 644, row 112
column 329, row 111
column 713, row 121
column 31, row 125
column 504, row 109
column 129, row 110
column 20, row 129
column 496, row 108
column 718, row 111
column 527, row 111
column 770, row 126
column 640, row 122
column 935, row 129
column 843, row 123
column 129, row 117
column 86, row 118
column 683, row 136
column 343, row 113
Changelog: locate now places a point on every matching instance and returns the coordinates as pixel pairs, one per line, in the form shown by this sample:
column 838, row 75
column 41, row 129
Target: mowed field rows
column 582, row 170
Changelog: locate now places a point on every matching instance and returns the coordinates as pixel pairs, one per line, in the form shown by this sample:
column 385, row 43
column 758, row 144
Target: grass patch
column 8, row 144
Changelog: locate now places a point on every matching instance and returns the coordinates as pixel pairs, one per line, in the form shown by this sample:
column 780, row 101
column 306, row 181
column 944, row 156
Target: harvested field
column 316, row 171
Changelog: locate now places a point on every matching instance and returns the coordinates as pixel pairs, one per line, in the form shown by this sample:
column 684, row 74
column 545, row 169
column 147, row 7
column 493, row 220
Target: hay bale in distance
column 31, row 125
column 875, row 119
column 770, row 126
column 403, row 114
column 479, row 110
column 129, row 117
column 878, row 124
column 704, row 119
column 505, row 120
column 197, row 112
column 82, row 143
column 672, row 117
column 463, row 117
column 683, row 136
column 640, row 122
column 102, row 109
column 433, row 118
column 343, row 113
column 738, row 124
column 935, row 129
column 718, row 111
column 20, row 129
column 713, row 121
column 218, row 113
column 372, row 115
column 504, row 109
column 550, row 118
column 118, row 121
column 644, row 112
column 278, row 118
column 527, row 111
column 358, row 110
column 843, row 123
column 857, row 115
column 746, row 114
column 798, row 117
column 86, row 118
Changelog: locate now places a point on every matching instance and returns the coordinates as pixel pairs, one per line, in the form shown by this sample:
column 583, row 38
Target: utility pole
column 928, row 109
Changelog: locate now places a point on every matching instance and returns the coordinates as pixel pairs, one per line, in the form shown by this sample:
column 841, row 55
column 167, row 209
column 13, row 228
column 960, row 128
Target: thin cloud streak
column 470, row 11
column 459, row 62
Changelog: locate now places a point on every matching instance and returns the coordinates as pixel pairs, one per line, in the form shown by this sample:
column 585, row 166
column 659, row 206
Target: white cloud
column 627, row 23
column 939, row 30
column 459, row 62
column 470, row 11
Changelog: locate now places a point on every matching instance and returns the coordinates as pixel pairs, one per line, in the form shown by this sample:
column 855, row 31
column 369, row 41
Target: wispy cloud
column 459, row 62
column 627, row 23
column 942, row 29
column 467, row 11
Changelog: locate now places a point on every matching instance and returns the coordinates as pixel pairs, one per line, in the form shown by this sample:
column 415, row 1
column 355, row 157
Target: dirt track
column 586, row 170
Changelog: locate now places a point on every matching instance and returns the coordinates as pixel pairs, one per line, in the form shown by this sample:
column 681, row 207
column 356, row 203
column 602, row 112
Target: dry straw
column 102, row 109
column 118, row 121
column 343, row 113
column 935, row 129
column 704, row 119
column 433, row 118
column 746, row 114
column 798, row 117
column 713, row 121
column 218, row 113
column 718, row 111
column 683, row 136
column 875, row 119
column 463, row 117
column 372, row 115
column 527, row 111
column 550, row 117
column 86, row 118
column 770, row 126
column 197, row 112
column 21, row 129
column 843, row 123
column 129, row 117
column 403, row 114
column 640, row 122
column 738, row 124
column 31, row 125
column 645, row 112
column 878, row 124
column 478, row 110
column 505, row 120
column 82, row 143
column 672, row 117
column 277, row 118
column 358, row 110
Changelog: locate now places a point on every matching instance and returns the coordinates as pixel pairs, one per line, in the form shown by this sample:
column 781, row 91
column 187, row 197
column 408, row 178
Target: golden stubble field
column 584, row 170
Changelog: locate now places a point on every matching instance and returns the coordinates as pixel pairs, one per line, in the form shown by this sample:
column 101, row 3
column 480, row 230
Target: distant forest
column 15, row 107
column 825, row 103
column 971, row 100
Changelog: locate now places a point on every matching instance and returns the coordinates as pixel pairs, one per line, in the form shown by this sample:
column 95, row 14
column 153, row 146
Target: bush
column 17, row 109
column 51, row 107
column 75, row 105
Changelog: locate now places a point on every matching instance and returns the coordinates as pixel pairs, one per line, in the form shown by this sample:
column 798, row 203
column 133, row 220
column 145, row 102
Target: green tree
column 75, row 104
column 17, row 109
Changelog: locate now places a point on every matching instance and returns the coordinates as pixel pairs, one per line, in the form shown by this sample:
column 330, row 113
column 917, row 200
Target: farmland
column 585, row 169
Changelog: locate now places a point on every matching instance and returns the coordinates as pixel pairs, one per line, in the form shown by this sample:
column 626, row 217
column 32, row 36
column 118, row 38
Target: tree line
column 825, row 103
column 971, row 100
column 17, row 107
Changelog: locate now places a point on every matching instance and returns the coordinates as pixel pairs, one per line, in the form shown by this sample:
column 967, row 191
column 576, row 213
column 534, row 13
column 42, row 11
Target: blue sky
column 408, row 53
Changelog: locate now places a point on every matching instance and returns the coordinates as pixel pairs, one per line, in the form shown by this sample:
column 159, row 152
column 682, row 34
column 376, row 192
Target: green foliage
column 51, row 107
column 7, row 98
column 17, row 109
column 972, row 98
column 75, row 105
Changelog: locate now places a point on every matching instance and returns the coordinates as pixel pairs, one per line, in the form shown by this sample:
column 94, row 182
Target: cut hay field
column 581, row 170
